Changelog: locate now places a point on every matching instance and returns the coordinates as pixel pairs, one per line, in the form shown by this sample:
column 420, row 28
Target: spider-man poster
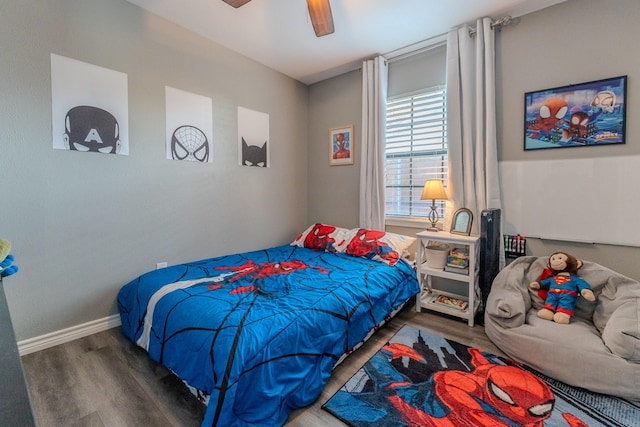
column 419, row 378
column 584, row 114
column 341, row 145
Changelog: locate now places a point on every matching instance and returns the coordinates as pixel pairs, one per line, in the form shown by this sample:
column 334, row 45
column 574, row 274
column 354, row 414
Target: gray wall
column 333, row 190
column 83, row 224
column 572, row 42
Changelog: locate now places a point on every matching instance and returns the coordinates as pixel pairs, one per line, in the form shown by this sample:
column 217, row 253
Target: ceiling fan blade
column 236, row 3
column 321, row 18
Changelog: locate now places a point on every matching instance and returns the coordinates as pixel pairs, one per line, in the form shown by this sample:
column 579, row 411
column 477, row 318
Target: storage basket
column 437, row 256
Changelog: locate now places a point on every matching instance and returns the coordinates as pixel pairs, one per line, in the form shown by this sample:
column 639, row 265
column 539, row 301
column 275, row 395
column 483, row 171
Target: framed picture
column 461, row 222
column 341, row 145
column 585, row 114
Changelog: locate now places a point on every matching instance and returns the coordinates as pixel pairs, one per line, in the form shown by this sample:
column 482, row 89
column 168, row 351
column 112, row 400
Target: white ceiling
column 278, row 33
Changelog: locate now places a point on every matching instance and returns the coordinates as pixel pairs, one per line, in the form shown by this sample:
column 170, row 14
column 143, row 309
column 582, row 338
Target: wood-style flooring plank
column 105, row 380
column 91, row 420
column 52, row 377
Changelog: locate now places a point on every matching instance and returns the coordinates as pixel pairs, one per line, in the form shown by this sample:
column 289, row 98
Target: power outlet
column 160, row 265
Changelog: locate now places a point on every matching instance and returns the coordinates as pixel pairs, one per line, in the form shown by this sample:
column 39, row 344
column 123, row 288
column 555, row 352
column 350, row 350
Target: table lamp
column 434, row 190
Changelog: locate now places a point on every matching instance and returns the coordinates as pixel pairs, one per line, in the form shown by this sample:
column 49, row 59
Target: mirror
column 462, row 220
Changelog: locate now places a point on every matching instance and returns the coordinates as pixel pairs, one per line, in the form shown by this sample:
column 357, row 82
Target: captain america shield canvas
column 90, row 110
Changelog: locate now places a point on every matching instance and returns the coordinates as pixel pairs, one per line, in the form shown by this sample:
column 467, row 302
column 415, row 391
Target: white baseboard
column 62, row 336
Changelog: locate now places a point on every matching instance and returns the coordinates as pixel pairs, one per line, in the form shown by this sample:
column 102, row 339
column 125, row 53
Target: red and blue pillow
column 321, row 237
column 377, row 245
column 370, row 244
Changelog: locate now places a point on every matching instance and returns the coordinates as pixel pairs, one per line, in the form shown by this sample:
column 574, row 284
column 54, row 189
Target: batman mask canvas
column 252, row 155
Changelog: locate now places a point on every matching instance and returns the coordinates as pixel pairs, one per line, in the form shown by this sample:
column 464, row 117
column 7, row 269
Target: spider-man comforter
column 260, row 331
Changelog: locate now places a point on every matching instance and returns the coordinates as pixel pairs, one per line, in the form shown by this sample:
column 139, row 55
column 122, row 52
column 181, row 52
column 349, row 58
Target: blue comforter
column 260, row 331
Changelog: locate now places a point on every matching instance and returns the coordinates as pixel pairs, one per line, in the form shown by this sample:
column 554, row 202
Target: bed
column 259, row 332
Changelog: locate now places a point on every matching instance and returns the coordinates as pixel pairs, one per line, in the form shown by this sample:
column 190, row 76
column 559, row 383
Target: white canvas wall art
column 189, row 125
column 253, row 138
column 89, row 107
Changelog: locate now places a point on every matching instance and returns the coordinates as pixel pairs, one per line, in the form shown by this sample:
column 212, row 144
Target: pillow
column 399, row 242
column 376, row 245
column 321, row 237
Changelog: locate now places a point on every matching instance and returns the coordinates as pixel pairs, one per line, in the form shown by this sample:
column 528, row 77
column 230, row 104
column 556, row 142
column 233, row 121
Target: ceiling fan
column 319, row 11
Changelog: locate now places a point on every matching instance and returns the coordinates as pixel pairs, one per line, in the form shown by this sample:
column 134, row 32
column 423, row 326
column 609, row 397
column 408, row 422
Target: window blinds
column 415, row 151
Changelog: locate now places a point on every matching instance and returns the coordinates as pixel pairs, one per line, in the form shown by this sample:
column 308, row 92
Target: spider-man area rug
column 421, row 379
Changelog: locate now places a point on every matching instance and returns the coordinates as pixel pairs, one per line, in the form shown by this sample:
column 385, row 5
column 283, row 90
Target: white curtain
column 374, row 98
column 471, row 122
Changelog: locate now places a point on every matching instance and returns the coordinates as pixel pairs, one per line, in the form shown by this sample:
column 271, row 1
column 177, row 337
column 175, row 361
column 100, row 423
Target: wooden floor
column 105, row 380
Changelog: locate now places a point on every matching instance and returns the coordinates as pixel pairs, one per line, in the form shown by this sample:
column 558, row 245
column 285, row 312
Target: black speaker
column 489, row 255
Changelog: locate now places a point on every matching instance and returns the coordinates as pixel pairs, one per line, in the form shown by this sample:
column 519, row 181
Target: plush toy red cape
column 559, row 266
column 560, row 287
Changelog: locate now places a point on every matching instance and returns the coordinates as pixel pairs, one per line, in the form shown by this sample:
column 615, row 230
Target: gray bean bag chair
column 599, row 350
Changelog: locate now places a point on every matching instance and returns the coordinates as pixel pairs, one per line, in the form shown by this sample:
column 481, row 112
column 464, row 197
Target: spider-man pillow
column 376, row 245
column 322, row 237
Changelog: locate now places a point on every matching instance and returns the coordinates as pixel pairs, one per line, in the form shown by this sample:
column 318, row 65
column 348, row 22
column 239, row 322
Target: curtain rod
column 435, row 42
column 498, row 23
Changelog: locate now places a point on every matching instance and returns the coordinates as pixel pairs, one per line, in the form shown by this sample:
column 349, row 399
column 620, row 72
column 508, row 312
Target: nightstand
column 464, row 280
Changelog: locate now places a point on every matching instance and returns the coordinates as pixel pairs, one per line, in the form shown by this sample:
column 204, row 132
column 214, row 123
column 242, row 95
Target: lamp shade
column 433, row 190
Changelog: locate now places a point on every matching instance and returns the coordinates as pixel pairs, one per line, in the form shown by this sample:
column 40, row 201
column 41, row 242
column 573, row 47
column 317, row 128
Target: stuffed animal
column 5, row 248
column 6, row 259
column 6, row 267
column 550, row 271
column 564, row 288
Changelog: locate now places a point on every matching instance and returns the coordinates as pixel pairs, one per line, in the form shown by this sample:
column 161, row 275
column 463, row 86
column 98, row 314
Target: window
column 415, row 151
